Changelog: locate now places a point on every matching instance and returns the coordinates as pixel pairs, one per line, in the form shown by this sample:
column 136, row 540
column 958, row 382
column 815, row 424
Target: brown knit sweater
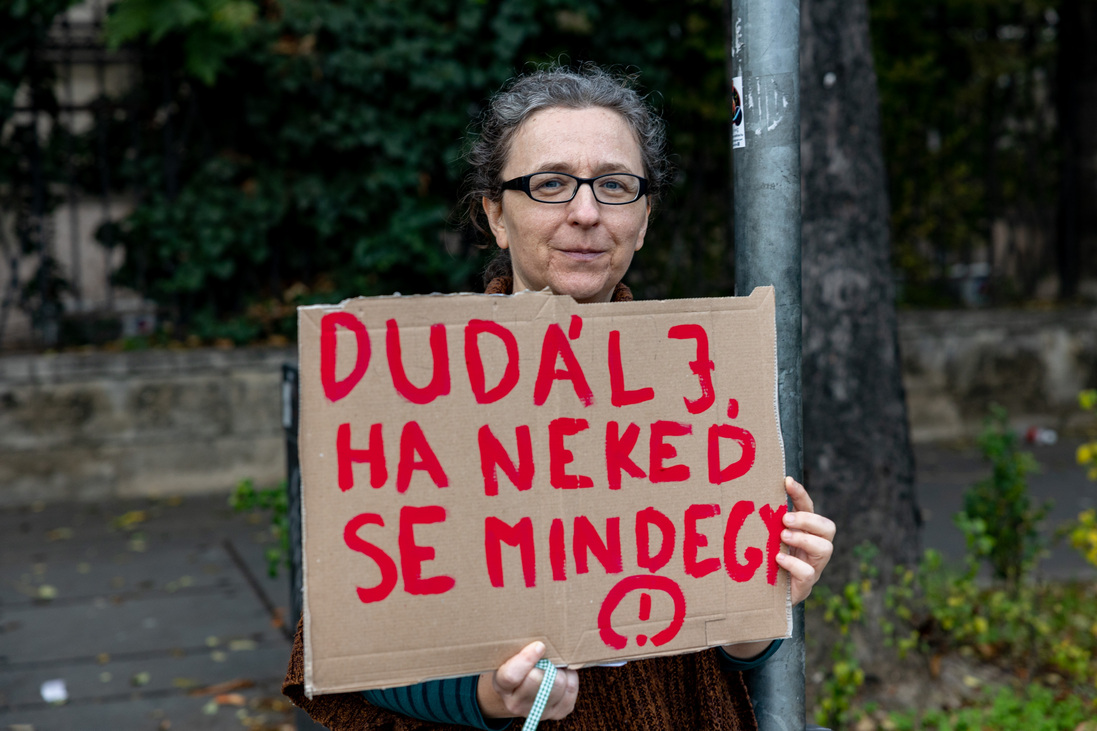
column 688, row 692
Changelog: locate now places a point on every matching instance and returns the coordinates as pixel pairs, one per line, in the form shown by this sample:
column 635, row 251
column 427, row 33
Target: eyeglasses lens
column 557, row 187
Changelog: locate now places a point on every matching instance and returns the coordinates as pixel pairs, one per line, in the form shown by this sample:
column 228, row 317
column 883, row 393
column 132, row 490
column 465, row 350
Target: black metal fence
column 59, row 185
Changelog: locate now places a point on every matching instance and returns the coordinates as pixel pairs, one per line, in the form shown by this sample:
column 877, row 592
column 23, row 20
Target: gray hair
column 589, row 86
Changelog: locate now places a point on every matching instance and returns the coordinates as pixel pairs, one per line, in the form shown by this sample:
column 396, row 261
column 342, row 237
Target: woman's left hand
column 809, row 538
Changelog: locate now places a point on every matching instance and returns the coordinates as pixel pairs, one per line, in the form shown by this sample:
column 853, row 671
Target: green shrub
column 1030, row 708
column 999, row 519
column 275, row 500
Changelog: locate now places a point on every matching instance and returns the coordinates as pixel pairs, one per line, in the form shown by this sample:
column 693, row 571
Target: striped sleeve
column 734, row 663
column 451, row 701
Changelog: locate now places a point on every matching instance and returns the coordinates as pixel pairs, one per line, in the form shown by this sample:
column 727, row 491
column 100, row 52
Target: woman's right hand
column 509, row 691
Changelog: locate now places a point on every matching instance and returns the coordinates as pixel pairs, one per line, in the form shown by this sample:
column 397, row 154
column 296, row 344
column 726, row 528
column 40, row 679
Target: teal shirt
column 453, row 700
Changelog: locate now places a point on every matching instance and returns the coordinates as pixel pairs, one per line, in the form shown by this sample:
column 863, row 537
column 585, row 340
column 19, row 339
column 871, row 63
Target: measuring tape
column 542, row 696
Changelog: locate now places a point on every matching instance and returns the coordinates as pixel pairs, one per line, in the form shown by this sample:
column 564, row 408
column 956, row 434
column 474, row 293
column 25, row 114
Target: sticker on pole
column 738, row 131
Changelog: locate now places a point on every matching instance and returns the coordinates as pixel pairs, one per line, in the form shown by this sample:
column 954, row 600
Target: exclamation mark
column 645, row 613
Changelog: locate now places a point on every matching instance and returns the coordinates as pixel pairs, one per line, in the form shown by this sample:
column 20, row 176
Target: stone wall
column 955, row 364
column 90, row 425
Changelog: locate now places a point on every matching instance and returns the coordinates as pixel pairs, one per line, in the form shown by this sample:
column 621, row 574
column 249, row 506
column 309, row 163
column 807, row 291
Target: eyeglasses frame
column 522, row 183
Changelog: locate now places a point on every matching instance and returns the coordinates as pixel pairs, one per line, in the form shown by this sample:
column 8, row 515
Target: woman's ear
column 494, row 211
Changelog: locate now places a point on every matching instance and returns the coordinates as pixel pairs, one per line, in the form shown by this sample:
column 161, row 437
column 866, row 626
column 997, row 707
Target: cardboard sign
column 480, row 471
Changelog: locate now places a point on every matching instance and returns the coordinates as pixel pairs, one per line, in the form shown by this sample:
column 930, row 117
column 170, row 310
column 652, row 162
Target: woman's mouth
column 582, row 254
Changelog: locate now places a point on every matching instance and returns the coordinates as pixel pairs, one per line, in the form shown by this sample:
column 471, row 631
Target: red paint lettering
column 774, row 520
column 475, row 362
column 694, row 540
column 412, row 555
column 644, row 519
column 575, row 327
column 739, row 571
column 640, row 582
column 384, row 563
column 557, row 551
column 560, row 456
column 618, row 451
column 619, row 395
column 413, row 442
column 554, row 347
column 738, row 468
column 701, row 367
column 519, row 535
column 493, row 456
column 659, row 451
column 439, row 382
column 585, row 539
column 335, row 389
column 346, row 457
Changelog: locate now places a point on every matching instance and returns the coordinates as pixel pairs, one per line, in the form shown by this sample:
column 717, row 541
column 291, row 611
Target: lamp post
column 764, row 65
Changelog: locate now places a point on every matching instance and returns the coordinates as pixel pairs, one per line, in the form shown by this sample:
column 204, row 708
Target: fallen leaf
column 231, row 699
column 127, row 521
column 47, row 592
column 184, row 683
column 103, row 658
column 59, row 534
column 971, row 681
column 242, row 645
column 105, row 677
column 210, row 708
column 227, row 687
column 278, row 619
column 218, row 656
column 277, row 705
column 140, row 679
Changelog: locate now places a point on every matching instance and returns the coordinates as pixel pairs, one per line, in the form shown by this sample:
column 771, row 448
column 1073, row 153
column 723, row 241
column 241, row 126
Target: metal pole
column 765, row 65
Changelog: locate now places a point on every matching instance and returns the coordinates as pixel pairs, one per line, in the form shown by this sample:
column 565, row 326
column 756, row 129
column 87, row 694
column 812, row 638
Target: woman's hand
column 809, row 537
column 509, row 691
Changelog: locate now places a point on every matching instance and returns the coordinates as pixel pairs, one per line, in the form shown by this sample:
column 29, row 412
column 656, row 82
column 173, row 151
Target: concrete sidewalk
column 153, row 615
column 160, row 614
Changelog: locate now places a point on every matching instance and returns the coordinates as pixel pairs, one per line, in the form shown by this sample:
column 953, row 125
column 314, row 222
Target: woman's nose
column 584, row 209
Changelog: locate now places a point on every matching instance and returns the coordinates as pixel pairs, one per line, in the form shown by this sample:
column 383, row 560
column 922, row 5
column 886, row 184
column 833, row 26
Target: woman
column 564, row 175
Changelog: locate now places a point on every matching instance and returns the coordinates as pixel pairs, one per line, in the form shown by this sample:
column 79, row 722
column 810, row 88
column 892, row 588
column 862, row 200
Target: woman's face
column 582, row 248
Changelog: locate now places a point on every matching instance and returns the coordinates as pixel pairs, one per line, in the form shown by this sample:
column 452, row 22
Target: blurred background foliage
column 282, row 152
column 315, row 147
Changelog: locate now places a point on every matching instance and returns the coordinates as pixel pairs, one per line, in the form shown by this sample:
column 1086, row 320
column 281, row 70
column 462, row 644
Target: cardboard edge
column 306, row 639
column 768, row 296
column 754, row 300
column 396, row 295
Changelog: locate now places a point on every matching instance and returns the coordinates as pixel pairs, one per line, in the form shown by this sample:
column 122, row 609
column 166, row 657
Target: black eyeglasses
column 615, row 189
